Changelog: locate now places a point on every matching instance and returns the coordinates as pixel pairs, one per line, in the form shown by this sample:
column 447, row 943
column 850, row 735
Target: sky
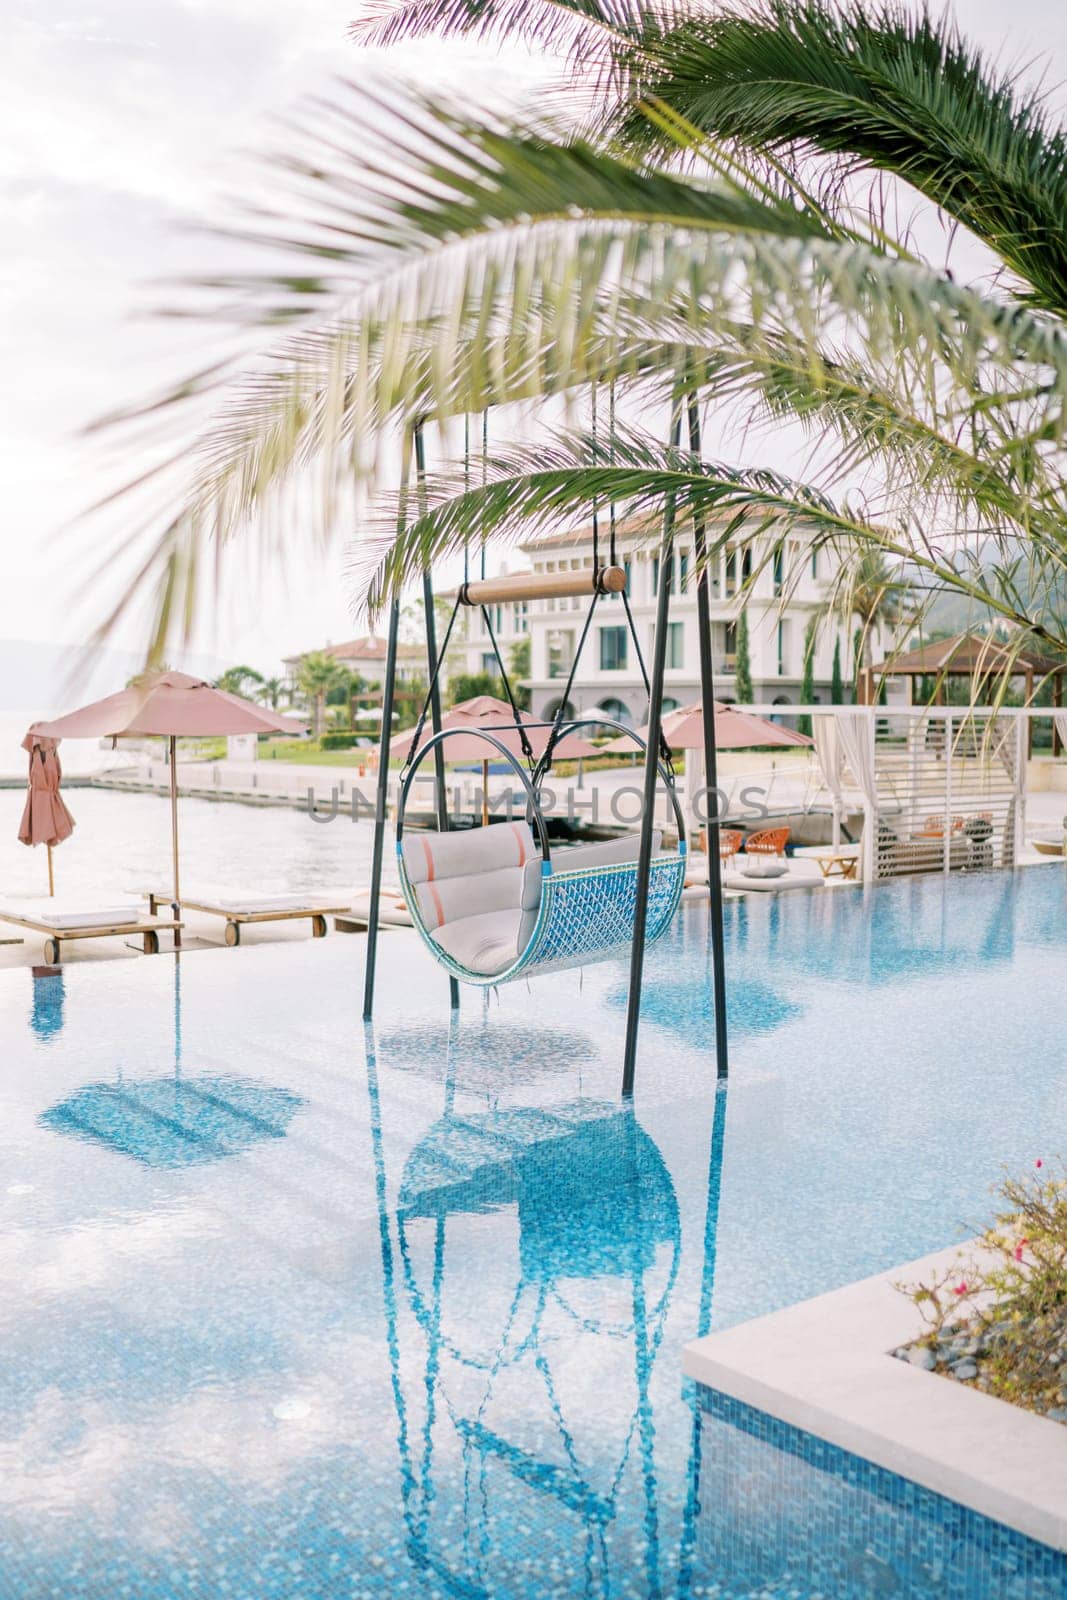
column 121, row 126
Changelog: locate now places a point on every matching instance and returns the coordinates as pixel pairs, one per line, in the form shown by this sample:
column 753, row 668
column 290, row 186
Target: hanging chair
column 489, row 908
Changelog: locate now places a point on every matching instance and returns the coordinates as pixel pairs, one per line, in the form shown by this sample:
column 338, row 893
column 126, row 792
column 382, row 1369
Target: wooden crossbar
column 543, row 586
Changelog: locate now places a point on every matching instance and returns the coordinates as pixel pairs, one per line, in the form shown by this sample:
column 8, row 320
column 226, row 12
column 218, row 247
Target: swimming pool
column 291, row 1309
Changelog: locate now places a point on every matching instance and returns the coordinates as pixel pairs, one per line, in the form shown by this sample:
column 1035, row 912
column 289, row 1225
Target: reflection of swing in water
column 594, row 1205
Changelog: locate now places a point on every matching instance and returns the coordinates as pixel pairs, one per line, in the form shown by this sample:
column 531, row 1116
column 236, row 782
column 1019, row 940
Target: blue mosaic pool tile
column 783, row 1513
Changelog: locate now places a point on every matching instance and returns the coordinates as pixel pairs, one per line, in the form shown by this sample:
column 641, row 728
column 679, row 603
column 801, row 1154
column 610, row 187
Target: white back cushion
column 605, row 853
column 470, row 873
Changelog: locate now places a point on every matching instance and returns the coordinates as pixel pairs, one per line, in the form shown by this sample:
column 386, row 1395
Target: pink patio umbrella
column 45, row 818
column 734, row 730
column 490, row 715
column 171, row 705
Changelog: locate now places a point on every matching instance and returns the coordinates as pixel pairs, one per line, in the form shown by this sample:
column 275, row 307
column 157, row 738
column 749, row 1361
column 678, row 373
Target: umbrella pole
column 176, row 903
column 51, row 874
column 485, row 794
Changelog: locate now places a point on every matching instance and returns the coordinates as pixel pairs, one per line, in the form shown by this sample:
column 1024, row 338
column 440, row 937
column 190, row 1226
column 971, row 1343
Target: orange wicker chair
column 767, row 842
column 729, row 844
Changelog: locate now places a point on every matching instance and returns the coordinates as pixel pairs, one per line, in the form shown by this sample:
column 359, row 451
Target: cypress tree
column 807, row 681
column 743, row 664
column 837, row 687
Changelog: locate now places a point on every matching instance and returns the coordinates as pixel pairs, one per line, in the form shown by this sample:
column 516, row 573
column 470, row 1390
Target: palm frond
column 572, row 28
column 889, row 87
column 533, row 491
column 439, row 264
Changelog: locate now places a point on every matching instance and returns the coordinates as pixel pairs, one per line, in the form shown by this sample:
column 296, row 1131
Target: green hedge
column 338, row 741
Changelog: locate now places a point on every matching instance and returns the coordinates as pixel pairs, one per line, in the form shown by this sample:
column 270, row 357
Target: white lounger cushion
column 118, row 916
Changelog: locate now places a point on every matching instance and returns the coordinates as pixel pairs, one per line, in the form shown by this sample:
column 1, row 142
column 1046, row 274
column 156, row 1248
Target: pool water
column 295, row 1308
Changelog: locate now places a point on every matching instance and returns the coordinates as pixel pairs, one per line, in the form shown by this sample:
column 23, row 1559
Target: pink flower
column 1039, row 1162
column 961, row 1288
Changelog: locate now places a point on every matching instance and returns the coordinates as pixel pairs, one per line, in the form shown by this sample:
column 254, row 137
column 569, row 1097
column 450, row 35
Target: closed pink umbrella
column 45, row 818
column 172, row 705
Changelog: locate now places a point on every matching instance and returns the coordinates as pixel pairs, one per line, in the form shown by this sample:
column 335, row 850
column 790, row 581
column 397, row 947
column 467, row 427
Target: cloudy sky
column 120, row 125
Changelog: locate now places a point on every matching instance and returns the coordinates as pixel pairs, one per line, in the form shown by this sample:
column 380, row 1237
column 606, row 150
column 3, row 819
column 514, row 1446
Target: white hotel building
column 786, row 592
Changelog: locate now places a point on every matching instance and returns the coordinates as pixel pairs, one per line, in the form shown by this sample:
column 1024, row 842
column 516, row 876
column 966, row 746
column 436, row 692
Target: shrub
column 1013, row 1300
column 337, row 741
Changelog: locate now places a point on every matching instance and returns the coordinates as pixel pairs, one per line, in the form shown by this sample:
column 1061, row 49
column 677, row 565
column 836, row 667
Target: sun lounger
column 60, row 925
column 238, row 909
column 392, row 912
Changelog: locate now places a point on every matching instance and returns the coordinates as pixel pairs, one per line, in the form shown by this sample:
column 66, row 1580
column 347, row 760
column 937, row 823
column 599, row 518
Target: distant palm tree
column 704, row 235
column 272, row 691
column 317, row 673
column 244, row 681
column 880, row 598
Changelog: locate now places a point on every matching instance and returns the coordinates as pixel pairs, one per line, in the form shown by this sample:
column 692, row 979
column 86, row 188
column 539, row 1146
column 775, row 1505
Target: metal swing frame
column 642, row 875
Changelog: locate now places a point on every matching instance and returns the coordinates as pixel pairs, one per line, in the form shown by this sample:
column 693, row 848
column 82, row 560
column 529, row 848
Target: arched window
column 617, row 710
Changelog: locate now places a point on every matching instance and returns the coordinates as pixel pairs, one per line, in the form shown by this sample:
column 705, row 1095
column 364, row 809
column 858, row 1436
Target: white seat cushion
column 487, row 943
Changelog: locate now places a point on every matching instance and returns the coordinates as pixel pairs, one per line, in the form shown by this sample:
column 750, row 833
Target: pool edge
column 824, row 1367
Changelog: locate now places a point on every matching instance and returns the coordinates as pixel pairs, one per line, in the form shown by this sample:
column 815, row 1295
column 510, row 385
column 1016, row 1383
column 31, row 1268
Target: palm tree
column 244, row 681
column 702, row 238
column 869, row 592
column 272, row 691
column 317, row 673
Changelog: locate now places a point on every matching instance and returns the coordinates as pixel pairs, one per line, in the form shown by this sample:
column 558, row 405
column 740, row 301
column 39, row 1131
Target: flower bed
column 997, row 1320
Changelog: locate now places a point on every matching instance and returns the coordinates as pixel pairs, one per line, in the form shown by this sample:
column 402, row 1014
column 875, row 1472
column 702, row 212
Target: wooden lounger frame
column 149, row 928
column 316, row 911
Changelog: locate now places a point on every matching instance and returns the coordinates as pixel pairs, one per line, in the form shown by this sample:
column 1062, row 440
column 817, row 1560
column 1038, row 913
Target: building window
column 679, row 572
column 779, row 571
column 613, row 644
column 729, row 645
column 489, row 663
column 815, row 563
column 560, row 651
column 783, row 648
column 737, row 579
column 617, row 711
column 675, row 644
column 627, row 567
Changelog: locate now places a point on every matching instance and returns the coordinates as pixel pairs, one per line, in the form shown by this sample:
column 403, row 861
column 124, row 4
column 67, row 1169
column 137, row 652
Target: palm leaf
column 894, row 89
column 469, row 263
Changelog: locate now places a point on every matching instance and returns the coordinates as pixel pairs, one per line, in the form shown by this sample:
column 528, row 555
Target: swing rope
column 520, row 727
column 560, row 718
column 424, row 713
